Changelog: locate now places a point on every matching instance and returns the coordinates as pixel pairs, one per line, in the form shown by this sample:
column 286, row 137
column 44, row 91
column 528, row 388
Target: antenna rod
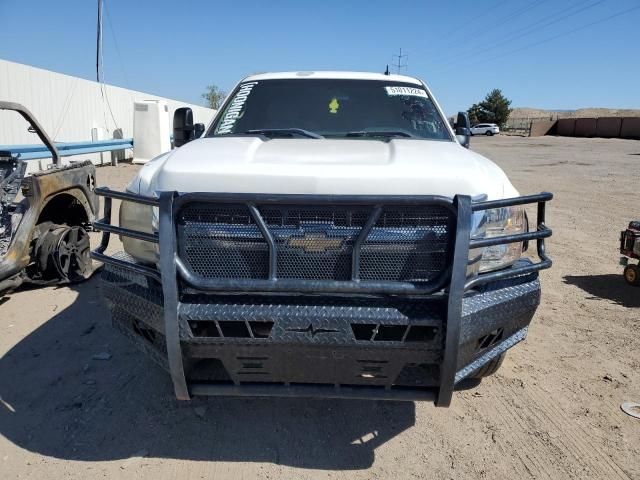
column 400, row 65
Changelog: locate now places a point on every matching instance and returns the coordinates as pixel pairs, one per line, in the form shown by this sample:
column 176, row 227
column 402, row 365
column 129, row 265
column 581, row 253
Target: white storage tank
column 151, row 132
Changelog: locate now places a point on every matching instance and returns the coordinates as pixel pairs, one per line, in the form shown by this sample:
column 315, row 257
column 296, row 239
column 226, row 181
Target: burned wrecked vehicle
column 44, row 216
column 329, row 236
column 629, row 250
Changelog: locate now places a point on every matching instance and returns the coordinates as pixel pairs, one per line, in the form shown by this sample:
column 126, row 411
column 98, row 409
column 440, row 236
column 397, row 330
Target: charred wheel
column 62, row 253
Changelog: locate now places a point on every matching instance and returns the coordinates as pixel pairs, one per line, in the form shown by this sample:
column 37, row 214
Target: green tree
column 495, row 108
column 475, row 114
column 214, row 96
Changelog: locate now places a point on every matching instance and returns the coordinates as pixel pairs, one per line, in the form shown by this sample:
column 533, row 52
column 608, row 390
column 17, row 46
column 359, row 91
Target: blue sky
column 541, row 53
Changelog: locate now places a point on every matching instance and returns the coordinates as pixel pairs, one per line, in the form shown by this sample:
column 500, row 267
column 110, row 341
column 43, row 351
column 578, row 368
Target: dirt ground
column 552, row 411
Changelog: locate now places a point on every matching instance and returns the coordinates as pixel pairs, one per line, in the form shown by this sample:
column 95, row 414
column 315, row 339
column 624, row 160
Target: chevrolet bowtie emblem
column 316, row 242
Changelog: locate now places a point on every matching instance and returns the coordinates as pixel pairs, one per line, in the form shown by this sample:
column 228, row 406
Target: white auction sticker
column 413, row 92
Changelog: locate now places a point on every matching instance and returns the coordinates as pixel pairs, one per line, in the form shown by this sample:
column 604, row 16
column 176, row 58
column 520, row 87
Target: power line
column 99, row 61
column 65, row 108
column 521, row 11
column 475, row 18
column 437, row 46
column 100, row 70
column 106, row 97
column 530, row 29
column 560, row 35
column 115, row 42
column 485, row 29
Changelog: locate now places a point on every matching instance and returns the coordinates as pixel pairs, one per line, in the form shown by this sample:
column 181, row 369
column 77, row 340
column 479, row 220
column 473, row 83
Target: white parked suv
column 485, row 129
column 327, row 235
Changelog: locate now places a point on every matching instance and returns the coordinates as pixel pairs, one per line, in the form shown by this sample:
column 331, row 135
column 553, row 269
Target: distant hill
column 524, row 112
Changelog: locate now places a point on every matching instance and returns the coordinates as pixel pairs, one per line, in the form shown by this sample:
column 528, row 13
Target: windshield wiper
column 381, row 133
column 285, row 131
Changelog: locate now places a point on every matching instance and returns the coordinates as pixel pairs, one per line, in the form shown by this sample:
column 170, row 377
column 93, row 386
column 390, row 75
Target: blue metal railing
column 66, row 149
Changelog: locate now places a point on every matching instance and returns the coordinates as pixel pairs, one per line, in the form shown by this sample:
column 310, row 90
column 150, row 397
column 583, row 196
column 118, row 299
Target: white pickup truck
column 327, row 235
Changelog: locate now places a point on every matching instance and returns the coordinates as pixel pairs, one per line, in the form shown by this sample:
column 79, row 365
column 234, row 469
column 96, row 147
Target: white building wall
column 70, row 107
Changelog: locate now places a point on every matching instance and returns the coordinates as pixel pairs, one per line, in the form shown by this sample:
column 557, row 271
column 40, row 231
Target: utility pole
column 400, row 65
column 99, row 41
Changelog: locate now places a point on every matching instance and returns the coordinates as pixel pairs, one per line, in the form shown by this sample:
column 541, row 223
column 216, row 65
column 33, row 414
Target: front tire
column 489, row 368
column 632, row 275
column 489, row 133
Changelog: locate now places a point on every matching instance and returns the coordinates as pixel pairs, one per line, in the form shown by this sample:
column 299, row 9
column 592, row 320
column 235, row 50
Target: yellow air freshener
column 334, row 105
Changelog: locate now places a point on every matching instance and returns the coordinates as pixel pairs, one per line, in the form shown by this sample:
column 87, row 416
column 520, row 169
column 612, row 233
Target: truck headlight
column 142, row 218
column 497, row 222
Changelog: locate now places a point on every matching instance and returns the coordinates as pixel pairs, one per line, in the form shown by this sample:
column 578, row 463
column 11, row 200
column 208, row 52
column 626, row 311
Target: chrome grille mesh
column 406, row 244
column 315, row 243
column 222, row 241
column 409, row 244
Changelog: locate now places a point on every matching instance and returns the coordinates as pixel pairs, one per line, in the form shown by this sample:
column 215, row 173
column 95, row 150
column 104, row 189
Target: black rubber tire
column 632, row 275
column 489, row 133
column 489, row 368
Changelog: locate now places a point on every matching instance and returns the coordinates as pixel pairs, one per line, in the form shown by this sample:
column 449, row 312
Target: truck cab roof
column 332, row 75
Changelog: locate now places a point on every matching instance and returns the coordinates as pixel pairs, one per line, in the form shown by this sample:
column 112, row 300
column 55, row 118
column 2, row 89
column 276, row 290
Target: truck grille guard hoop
column 279, row 276
column 453, row 281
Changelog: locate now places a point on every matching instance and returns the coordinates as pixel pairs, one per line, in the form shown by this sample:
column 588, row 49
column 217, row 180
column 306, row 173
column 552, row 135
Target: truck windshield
column 331, row 108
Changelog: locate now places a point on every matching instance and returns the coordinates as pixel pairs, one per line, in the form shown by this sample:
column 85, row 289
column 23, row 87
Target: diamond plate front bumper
column 351, row 339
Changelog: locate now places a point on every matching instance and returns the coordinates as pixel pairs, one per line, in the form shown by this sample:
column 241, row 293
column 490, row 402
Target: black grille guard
column 453, row 283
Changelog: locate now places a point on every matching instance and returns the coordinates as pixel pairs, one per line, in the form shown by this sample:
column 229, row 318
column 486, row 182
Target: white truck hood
column 323, row 166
